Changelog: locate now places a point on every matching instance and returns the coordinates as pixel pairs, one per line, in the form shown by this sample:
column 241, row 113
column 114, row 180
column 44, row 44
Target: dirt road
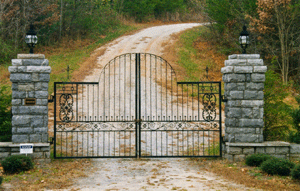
column 149, row 40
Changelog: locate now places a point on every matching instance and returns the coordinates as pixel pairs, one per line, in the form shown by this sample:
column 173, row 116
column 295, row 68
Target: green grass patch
column 187, row 52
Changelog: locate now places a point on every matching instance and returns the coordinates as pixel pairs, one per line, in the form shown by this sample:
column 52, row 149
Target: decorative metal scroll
column 95, row 126
column 209, row 107
column 66, row 107
column 170, row 126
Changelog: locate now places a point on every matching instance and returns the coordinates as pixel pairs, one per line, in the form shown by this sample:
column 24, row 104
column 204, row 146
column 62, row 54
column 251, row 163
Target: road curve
column 148, row 40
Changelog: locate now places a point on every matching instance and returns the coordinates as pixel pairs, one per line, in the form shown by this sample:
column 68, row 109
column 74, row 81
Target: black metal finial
column 206, row 69
column 68, row 70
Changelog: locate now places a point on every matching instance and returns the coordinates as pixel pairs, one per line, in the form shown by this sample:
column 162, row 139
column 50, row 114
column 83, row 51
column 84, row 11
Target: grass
column 58, row 174
column 193, row 55
column 248, row 176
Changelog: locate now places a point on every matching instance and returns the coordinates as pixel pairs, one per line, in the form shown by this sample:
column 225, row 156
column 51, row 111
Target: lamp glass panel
column 243, row 40
column 34, row 39
column 28, row 39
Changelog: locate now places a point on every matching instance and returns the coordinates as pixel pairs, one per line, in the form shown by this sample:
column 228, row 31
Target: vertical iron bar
column 98, row 106
column 182, row 114
column 161, row 87
column 93, row 137
column 220, row 122
column 130, row 90
column 76, row 103
column 187, row 102
column 109, row 143
column 193, row 101
column 103, row 143
column 114, row 96
column 177, row 103
column 166, row 91
column 125, row 87
column 66, row 143
column 139, row 108
column 151, row 91
column 172, row 117
column 82, row 102
column 156, row 81
column 108, row 93
column 87, row 105
column 145, row 87
column 61, row 141
column 137, row 103
column 55, row 120
column 198, row 103
column 88, row 143
column 120, row 88
column 104, row 102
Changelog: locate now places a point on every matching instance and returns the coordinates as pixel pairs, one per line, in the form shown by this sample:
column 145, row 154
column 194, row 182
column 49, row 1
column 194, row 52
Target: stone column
column 30, row 75
column 244, row 76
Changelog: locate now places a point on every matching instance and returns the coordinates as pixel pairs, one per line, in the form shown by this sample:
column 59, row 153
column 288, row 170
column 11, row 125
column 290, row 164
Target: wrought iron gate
column 137, row 109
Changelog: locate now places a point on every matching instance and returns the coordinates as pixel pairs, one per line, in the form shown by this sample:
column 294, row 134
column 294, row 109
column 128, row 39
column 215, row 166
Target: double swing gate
column 137, row 109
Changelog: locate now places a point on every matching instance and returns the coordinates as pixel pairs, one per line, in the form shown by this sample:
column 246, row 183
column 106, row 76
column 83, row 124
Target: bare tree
column 278, row 27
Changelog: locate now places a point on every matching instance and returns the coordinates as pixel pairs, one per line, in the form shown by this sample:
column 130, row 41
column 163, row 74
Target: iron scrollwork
column 66, row 108
column 209, row 103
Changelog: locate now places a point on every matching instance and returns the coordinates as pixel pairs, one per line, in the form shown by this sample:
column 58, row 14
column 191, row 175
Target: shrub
column 1, row 179
column 277, row 166
column 296, row 172
column 5, row 115
column 17, row 163
column 294, row 137
column 257, row 159
column 277, row 116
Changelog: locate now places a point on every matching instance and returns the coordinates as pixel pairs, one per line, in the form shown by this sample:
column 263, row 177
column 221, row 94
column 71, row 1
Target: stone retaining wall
column 239, row 151
column 41, row 151
column 295, row 151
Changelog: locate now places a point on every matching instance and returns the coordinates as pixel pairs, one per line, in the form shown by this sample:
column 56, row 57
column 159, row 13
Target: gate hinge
column 51, row 140
column 224, row 99
column 51, row 99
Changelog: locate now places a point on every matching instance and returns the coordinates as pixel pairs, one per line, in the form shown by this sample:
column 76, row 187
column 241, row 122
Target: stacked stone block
column 30, row 75
column 41, row 151
column 295, row 151
column 239, row 151
column 244, row 77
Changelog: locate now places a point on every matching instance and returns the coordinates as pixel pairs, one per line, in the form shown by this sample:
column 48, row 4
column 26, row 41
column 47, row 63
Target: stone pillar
column 30, row 75
column 244, row 76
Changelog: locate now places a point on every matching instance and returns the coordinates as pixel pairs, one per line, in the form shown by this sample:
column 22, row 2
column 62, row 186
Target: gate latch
column 138, row 120
column 224, row 99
